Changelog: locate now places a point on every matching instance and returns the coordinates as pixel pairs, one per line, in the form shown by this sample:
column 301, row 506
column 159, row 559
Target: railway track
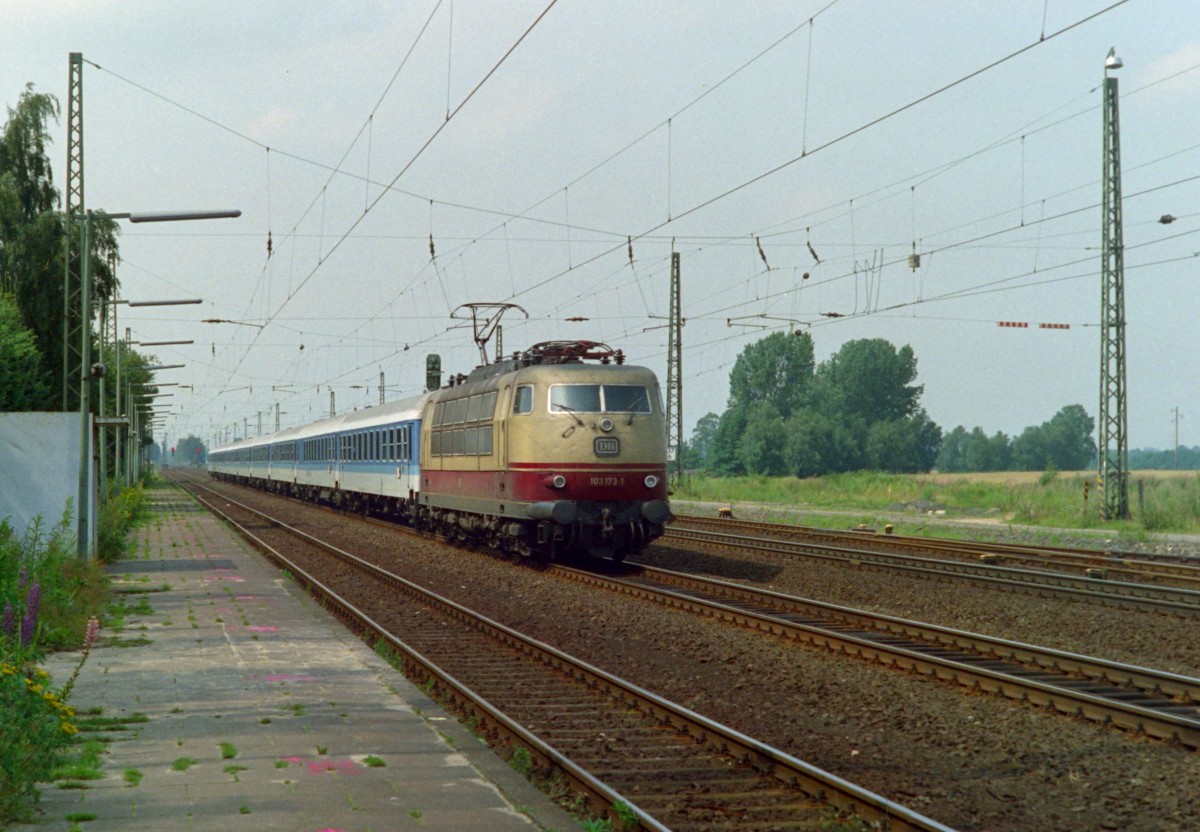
column 634, row 757
column 862, row 551
column 1182, row 570
column 1129, row 697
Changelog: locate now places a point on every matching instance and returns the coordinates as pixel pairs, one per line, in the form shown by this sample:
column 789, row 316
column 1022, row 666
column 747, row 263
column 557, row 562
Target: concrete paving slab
column 243, row 705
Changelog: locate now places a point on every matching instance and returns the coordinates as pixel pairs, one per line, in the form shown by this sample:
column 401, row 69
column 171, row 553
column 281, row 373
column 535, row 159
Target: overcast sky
column 533, row 145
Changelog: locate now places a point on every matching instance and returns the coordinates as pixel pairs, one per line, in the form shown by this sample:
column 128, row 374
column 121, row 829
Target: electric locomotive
column 556, row 450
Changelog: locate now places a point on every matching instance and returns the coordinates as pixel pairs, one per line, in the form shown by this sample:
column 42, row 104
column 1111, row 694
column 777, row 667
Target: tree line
column 859, row 410
column 33, row 233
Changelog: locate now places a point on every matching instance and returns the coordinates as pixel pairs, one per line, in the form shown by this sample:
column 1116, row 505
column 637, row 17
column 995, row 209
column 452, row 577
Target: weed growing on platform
column 132, row 776
column 38, row 726
column 521, row 762
column 374, row 762
column 228, row 751
column 117, row 516
column 183, row 763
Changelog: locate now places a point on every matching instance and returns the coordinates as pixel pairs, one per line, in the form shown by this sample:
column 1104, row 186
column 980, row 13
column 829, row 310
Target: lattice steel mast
column 675, row 377
column 1113, row 445
column 73, row 368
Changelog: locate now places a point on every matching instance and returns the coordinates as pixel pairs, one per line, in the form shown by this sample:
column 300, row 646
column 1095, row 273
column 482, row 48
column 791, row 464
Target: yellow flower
column 68, row 728
column 7, row 669
column 41, row 674
column 32, row 687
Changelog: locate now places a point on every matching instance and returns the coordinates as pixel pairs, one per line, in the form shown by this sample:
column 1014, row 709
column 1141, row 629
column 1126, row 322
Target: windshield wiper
column 571, row 411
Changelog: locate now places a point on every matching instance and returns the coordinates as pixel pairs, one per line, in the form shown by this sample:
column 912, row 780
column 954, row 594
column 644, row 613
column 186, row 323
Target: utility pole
column 675, row 377
column 381, row 386
column 1114, row 441
column 1176, row 410
column 331, row 407
column 73, row 250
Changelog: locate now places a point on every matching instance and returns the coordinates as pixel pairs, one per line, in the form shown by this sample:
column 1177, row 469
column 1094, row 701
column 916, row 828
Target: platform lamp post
column 86, row 370
column 122, row 420
column 133, row 457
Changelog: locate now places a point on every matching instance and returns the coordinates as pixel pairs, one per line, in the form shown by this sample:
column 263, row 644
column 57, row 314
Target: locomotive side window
column 488, row 408
column 473, row 405
column 523, row 399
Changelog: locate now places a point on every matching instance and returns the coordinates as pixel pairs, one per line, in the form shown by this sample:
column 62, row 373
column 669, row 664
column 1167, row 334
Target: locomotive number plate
column 606, row 445
column 601, row 482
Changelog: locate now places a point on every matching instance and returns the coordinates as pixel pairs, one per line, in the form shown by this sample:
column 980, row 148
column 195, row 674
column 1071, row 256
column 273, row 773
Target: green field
column 1159, row 501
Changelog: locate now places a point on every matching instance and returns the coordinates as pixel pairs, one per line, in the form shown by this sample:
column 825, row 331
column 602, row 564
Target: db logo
column 606, row 445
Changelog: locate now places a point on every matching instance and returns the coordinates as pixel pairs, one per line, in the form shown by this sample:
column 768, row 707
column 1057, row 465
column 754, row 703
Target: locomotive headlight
column 606, row 425
column 555, row 481
column 651, row 481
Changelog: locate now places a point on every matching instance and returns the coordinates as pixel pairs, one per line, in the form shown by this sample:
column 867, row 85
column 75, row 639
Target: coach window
column 523, row 400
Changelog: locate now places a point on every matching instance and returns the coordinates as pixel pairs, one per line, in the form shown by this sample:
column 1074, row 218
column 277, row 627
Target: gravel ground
column 973, row 761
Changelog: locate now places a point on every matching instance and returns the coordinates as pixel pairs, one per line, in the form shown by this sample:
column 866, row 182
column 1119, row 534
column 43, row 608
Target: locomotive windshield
column 599, row 398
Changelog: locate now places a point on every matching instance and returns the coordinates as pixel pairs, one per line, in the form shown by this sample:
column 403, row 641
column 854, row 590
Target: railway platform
column 233, row 701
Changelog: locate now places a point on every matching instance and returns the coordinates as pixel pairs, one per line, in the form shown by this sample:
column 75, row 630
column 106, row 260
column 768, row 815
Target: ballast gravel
column 972, row 761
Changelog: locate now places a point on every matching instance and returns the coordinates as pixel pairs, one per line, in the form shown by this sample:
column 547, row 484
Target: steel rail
column 1123, row 595
column 789, row 770
column 1139, row 699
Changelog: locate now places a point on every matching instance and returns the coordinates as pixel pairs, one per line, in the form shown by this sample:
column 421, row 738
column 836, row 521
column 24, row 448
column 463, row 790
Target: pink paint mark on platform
column 260, row 628
column 325, row 765
column 289, row 677
column 331, row 766
column 244, row 597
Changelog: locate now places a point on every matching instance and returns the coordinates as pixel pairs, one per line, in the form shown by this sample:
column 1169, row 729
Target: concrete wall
column 39, row 470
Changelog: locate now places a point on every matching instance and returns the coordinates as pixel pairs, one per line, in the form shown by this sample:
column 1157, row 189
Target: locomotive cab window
column 580, row 398
column 599, row 398
column 626, row 398
column 523, row 399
